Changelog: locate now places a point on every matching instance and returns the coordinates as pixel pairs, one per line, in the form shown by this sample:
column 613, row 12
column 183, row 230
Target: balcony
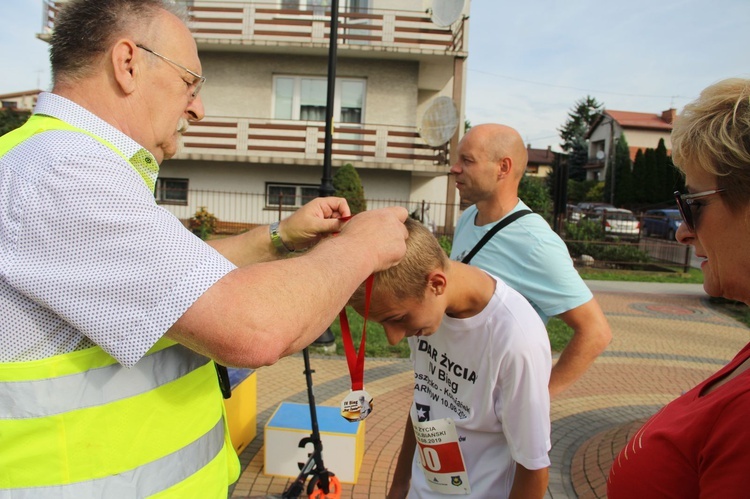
column 302, row 143
column 267, row 27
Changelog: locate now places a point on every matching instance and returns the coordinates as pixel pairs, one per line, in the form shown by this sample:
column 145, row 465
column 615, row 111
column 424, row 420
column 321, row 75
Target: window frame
column 161, row 188
column 299, row 197
column 598, row 146
column 308, row 4
column 296, row 97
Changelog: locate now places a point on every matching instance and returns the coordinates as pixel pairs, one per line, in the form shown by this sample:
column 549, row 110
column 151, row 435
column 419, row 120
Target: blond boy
column 479, row 422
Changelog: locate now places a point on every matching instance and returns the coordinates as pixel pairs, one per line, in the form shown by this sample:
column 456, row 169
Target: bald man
column 526, row 254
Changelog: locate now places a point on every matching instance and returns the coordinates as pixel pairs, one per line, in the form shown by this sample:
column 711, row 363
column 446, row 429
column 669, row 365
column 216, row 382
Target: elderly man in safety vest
column 113, row 313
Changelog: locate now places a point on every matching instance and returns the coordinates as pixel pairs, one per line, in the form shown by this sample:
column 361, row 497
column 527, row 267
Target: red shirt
column 696, row 446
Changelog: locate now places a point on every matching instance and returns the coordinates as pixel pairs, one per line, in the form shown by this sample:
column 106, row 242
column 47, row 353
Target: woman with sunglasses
column 699, row 444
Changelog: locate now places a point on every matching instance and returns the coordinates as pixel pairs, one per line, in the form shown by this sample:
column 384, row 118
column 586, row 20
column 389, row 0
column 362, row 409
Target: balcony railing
column 254, row 23
column 302, row 142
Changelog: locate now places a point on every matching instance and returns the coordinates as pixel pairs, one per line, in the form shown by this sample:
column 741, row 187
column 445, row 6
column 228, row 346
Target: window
column 357, row 5
column 319, row 7
column 352, row 95
column 597, row 150
column 352, row 34
column 171, row 190
column 314, row 5
column 304, row 98
column 312, row 101
column 289, row 196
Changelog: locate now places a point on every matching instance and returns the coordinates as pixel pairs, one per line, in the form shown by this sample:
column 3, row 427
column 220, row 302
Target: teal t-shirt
column 529, row 257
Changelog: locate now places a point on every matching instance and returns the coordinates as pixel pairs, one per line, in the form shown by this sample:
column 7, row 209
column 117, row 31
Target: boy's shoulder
column 512, row 309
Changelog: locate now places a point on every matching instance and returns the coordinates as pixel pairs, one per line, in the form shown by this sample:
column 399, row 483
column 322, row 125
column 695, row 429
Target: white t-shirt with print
column 489, row 373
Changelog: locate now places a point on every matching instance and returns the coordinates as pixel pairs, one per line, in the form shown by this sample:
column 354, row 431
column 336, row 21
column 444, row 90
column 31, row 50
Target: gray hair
column 85, row 29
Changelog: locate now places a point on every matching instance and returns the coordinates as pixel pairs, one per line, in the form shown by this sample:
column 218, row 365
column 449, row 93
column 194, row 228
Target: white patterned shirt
column 86, row 255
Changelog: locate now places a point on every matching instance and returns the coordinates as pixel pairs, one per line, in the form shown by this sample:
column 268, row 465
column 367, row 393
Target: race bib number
column 440, row 458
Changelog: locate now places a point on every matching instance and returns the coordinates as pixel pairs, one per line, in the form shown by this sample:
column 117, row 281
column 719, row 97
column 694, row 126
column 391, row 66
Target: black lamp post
column 326, row 184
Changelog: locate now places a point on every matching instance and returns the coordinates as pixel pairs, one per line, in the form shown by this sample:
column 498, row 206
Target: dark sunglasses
column 685, row 203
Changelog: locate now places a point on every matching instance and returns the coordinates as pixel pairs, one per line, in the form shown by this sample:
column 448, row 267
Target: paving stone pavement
column 666, row 340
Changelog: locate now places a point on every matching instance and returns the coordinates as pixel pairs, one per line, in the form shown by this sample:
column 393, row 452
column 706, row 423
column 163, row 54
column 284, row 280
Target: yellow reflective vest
column 80, row 425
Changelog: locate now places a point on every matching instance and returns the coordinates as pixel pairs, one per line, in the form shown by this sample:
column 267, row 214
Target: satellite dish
column 439, row 122
column 446, row 12
column 599, row 155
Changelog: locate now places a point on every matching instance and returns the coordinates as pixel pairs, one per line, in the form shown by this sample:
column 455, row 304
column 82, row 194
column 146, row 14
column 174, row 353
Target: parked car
column 662, row 223
column 618, row 222
column 574, row 213
column 589, row 206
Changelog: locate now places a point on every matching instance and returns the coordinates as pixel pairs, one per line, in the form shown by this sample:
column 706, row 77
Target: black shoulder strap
column 502, row 223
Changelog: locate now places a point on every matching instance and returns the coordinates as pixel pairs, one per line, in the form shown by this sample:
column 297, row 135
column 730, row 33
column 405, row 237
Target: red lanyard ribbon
column 356, row 360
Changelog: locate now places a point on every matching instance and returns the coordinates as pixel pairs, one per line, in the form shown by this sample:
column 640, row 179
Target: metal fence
column 639, row 251
column 648, row 254
column 237, row 212
column 666, row 251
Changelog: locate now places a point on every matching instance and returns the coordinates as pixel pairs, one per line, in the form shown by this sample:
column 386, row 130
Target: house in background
column 641, row 130
column 20, row 101
column 541, row 162
column 266, row 65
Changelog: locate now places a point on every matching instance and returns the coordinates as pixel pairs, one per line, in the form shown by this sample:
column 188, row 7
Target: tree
column 573, row 133
column 577, row 159
column 596, row 193
column 347, row 185
column 668, row 176
column 654, row 176
column 10, row 119
column 618, row 184
column 578, row 190
column 650, row 187
column 640, row 177
column 534, row 192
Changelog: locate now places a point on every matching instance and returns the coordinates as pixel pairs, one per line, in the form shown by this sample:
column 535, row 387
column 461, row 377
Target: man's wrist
column 276, row 240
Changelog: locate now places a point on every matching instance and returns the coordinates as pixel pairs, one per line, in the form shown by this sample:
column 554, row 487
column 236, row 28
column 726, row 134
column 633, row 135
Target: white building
column 641, row 130
column 265, row 98
column 20, row 101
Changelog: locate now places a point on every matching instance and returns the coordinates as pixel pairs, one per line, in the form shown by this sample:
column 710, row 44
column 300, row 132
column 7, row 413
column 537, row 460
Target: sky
column 531, row 60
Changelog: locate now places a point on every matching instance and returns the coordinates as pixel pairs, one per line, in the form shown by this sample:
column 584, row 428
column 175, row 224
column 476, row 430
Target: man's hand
column 381, row 233
column 315, row 220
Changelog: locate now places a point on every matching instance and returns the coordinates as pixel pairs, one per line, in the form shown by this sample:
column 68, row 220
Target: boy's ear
column 436, row 282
